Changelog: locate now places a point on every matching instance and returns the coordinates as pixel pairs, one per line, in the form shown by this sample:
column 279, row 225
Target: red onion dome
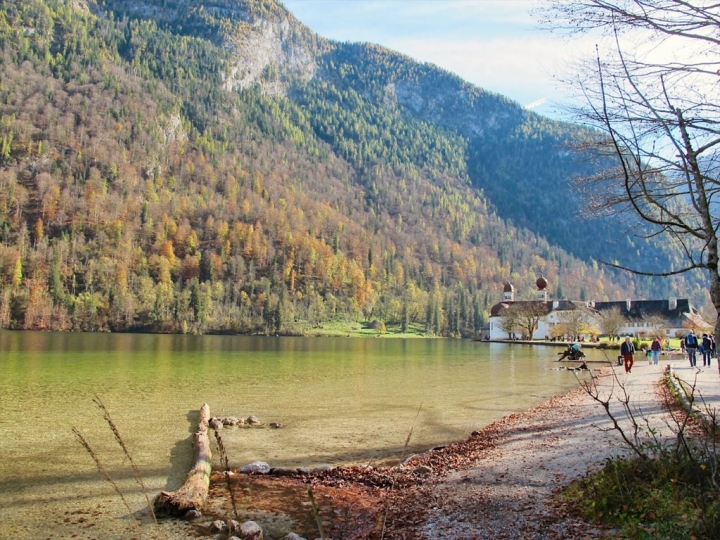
column 541, row 283
column 498, row 308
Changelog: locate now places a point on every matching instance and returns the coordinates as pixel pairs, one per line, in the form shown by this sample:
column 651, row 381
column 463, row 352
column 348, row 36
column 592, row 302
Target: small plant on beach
column 667, row 488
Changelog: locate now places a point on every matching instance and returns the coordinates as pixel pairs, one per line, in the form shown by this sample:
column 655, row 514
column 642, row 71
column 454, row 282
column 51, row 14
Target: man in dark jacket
column 691, row 346
column 707, row 349
column 627, row 350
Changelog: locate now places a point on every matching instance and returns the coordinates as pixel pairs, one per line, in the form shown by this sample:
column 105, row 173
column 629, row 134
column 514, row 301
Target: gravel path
column 508, row 493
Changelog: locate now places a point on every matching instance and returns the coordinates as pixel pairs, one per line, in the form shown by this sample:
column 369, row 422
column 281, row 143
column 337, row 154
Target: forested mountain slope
column 216, row 167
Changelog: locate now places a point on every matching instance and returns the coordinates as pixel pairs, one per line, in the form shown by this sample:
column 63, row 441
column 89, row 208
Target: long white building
column 641, row 317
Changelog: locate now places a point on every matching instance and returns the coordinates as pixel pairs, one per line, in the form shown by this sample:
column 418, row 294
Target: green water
column 339, row 400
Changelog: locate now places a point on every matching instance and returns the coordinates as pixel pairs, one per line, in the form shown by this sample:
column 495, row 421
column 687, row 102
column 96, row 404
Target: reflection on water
column 339, row 399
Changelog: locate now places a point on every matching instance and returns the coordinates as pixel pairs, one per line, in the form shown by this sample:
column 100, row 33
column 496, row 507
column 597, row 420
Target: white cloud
column 535, row 104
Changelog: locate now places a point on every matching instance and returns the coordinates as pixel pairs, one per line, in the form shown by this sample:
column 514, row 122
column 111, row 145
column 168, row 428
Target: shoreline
column 513, row 465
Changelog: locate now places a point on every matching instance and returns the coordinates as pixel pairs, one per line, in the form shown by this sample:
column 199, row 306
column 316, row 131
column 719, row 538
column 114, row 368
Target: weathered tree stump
column 193, row 493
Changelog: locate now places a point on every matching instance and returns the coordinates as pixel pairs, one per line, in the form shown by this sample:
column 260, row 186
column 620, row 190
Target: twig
column 121, row 442
column 102, row 470
column 225, row 462
column 591, row 389
column 316, row 514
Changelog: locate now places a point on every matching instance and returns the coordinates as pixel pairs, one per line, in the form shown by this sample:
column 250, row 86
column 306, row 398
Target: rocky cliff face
column 267, row 45
column 268, row 52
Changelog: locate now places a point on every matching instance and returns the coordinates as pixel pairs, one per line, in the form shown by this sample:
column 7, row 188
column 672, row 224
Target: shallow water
column 339, row 400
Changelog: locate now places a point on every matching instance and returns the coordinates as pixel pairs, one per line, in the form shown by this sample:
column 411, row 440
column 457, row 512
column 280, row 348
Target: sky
column 495, row 44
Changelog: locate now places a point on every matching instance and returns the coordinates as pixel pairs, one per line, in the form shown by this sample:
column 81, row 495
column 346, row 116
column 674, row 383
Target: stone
column 423, row 470
column 250, row 530
column 293, row 536
column 215, row 423
column 322, row 468
column 218, row 526
column 230, row 421
column 233, row 527
column 192, row 514
column 253, row 421
column 275, row 425
column 256, row 467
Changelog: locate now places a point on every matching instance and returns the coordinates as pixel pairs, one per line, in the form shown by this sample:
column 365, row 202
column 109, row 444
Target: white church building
column 674, row 312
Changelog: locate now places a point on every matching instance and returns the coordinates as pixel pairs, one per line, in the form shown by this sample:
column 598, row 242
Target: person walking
column 691, row 346
column 655, row 349
column 627, row 350
column 706, row 349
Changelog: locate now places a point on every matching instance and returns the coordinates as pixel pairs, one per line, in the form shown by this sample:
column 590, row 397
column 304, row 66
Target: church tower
column 508, row 292
column 542, row 284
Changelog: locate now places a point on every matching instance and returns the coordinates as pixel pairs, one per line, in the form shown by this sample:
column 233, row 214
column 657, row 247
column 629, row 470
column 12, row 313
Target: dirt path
column 508, row 492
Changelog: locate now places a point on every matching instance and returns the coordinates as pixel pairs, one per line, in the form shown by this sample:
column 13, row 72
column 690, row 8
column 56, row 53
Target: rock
column 192, row 514
column 253, row 421
column 292, row 536
column 241, row 422
column 256, row 467
column 322, row 468
column 303, row 470
column 230, row 421
column 423, row 470
column 215, row 423
column 250, row 531
column 276, row 425
column 233, row 527
column 218, row 526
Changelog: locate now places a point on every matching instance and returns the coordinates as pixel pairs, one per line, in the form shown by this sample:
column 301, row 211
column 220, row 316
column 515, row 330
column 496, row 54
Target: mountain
column 217, row 167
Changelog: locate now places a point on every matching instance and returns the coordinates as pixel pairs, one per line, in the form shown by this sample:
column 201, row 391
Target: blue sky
column 495, row 44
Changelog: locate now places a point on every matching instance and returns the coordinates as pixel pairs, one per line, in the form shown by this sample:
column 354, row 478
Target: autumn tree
column 510, row 322
column 575, row 322
column 523, row 316
column 529, row 316
column 611, row 321
column 652, row 91
column 657, row 325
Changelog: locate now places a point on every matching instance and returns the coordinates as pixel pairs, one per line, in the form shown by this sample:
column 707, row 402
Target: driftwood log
column 193, row 493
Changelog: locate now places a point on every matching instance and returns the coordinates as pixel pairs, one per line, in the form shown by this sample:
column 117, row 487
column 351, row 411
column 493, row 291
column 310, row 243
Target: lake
column 339, row 400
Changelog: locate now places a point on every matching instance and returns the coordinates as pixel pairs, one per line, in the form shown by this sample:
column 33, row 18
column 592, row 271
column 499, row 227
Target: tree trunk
column 193, row 493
